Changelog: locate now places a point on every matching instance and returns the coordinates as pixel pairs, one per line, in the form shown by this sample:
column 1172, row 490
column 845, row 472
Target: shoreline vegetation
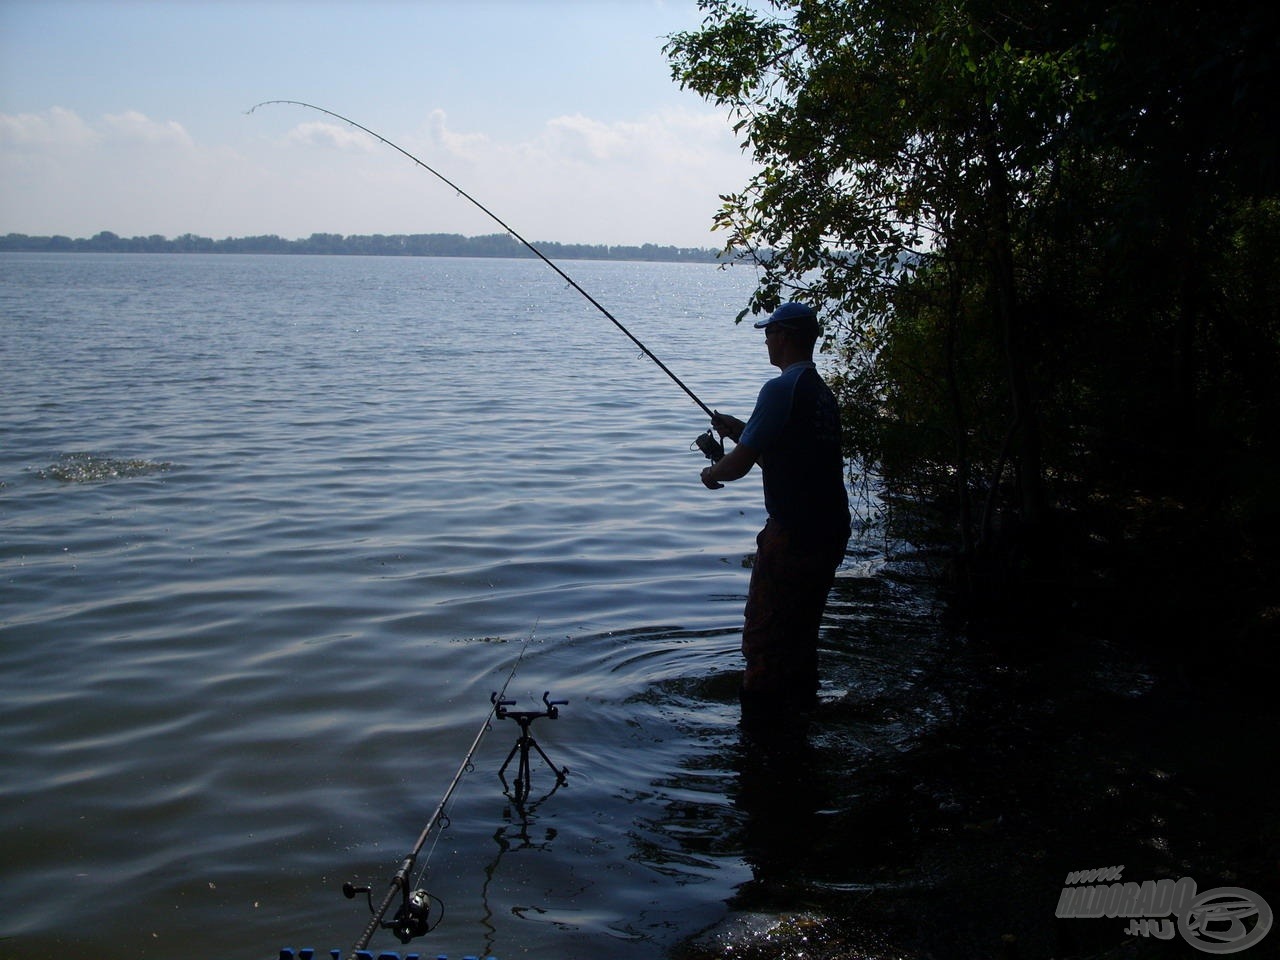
column 1059, row 345
column 497, row 245
column 1069, row 398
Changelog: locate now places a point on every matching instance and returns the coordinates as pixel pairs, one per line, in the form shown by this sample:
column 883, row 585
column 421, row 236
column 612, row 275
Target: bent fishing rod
column 494, row 217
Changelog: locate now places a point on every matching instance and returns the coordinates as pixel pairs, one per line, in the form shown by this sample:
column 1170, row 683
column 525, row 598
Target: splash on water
column 94, row 468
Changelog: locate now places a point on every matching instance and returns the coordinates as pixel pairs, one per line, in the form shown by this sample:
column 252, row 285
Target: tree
column 1021, row 221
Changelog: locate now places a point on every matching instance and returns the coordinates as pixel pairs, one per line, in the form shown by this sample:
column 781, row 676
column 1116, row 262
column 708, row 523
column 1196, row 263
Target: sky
column 559, row 115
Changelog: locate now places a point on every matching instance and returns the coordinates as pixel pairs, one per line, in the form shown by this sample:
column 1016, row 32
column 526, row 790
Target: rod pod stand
column 525, row 742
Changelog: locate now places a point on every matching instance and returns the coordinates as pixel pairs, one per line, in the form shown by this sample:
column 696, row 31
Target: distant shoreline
column 498, row 245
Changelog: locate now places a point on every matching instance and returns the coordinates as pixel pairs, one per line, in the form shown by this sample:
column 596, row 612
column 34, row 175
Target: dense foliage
column 1045, row 237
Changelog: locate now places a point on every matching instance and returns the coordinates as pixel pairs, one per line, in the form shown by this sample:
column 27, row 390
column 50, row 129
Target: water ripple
column 249, row 632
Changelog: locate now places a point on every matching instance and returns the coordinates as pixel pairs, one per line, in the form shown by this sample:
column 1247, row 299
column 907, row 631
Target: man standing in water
column 794, row 434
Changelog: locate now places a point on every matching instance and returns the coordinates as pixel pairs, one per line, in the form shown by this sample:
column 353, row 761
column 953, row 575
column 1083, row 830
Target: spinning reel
column 711, row 448
column 413, row 919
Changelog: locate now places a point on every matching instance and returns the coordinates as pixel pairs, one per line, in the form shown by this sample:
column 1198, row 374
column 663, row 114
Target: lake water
column 272, row 530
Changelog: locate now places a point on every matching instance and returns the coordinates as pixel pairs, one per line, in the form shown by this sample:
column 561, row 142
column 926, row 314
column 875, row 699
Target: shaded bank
column 954, row 780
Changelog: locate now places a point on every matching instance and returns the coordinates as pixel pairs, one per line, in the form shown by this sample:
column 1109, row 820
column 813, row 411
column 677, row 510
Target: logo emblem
column 1215, row 921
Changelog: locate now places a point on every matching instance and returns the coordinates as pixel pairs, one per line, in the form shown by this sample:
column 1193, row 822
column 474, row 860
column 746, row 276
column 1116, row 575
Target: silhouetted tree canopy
column 1058, row 319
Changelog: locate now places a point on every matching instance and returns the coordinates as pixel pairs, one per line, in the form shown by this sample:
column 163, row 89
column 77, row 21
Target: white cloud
column 579, row 137
column 469, row 145
column 126, row 172
column 670, row 143
column 580, row 179
column 321, row 134
column 655, row 178
column 56, row 127
column 133, row 127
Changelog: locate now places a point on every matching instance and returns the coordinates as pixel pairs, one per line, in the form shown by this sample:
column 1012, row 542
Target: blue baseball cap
column 792, row 316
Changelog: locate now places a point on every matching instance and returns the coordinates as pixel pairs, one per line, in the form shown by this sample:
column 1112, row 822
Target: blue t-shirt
column 795, row 432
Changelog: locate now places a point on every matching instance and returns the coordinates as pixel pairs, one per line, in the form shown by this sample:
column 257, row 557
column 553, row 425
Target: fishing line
column 494, row 217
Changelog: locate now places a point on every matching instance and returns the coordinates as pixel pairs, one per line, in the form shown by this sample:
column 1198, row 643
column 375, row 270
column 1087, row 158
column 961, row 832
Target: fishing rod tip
column 268, row 103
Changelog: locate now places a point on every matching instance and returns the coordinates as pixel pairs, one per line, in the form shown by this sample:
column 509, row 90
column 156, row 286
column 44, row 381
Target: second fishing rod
column 706, row 442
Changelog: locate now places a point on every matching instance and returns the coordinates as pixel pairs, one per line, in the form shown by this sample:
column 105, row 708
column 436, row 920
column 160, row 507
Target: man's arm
column 734, row 465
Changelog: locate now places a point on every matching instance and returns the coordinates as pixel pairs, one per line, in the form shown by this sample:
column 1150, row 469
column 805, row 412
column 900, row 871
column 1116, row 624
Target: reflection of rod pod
column 525, row 742
column 518, row 840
